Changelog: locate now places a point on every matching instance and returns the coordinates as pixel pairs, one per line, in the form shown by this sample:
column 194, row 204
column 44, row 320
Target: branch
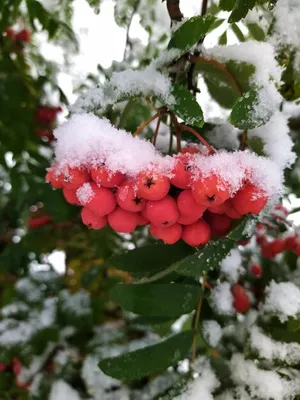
column 204, row 7
column 174, row 10
column 202, row 140
column 221, row 67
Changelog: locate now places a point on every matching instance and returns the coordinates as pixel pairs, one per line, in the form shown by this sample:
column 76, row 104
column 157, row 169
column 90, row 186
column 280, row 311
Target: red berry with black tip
column 169, row 235
column 210, row 191
column 128, row 197
column 152, row 185
column 162, row 213
column 92, row 220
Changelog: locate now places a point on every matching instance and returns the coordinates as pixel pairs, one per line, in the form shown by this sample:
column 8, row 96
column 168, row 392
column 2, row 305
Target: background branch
column 174, row 10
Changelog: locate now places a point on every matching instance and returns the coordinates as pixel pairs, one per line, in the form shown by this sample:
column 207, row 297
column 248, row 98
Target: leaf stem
column 145, row 123
column 202, row 140
column 221, row 67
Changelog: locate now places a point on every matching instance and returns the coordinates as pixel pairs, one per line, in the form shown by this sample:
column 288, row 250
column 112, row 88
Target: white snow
column 267, row 71
column 273, row 350
column 212, row 332
column 264, row 384
column 282, row 299
column 204, row 385
column 286, row 30
column 61, row 390
column 77, row 304
column 223, row 135
column 14, row 308
column 148, row 82
column 277, row 142
column 230, row 266
column 86, row 141
column 222, row 299
column 85, row 193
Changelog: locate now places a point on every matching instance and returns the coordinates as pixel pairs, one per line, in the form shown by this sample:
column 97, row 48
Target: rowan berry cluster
column 20, row 37
column 15, row 367
column 271, row 247
column 184, row 204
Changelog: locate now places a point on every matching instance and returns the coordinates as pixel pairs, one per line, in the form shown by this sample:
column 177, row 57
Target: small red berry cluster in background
column 241, row 301
column 177, row 206
column 15, row 367
column 46, row 117
column 20, row 37
column 271, row 247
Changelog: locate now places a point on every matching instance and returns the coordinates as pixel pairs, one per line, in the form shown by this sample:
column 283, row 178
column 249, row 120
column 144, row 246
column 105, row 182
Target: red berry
column 290, row 242
column 181, row 173
column 152, row 185
column 231, row 211
column 75, row 177
column 2, row 367
column 221, row 209
column 256, row 270
column 250, row 199
column 261, row 240
column 101, row 202
column 219, row 224
column 22, row 385
column 190, row 150
column 162, row 213
column 210, row 191
column 128, row 197
column 92, row 220
column 187, row 220
column 271, row 249
column 55, row 180
column 70, row 196
column 36, row 222
column 260, row 230
column 241, row 299
column 187, row 205
column 142, row 221
column 297, row 250
column 10, row 33
column 196, row 234
column 16, row 366
column 123, row 221
column 280, row 212
column 104, row 177
column 23, row 36
column 169, row 235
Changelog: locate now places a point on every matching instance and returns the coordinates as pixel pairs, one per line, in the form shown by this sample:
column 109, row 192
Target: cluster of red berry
column 177, row 207
column 46, row 116
column 15, row 367
column 23, row 36
column 272, row 247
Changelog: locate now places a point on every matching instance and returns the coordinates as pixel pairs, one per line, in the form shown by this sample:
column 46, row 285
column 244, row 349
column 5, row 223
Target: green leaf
column 223, row 39
column 238, row 33
column 243, row 229
column 146, row 299
column 149, row 258
column 190, row 32
column 241, row 9
column 149, row 360
column 226, row 5
column 209, row 257
column 256, row 32
column 247, row 112
column 185, row 105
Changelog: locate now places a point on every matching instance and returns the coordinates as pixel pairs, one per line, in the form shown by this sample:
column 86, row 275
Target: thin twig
column 127, row 42
column 221, row 67
column 197, row 318
column 174, row 10
column 244, row 140
column 145, row 123
column 177, row 127
column 204, row 7
column 202, row 140
column 156, row 131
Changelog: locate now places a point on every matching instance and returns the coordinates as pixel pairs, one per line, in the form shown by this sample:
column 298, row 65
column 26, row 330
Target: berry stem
column 221, row 67
column 197, row 319
column 145, row 123
column 244, row 139
column 202, row 140
column 177, row 130
column 156, row 131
